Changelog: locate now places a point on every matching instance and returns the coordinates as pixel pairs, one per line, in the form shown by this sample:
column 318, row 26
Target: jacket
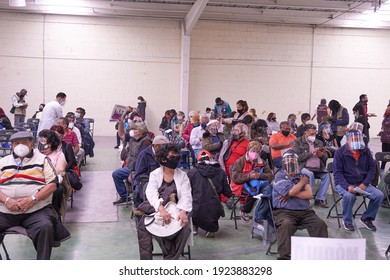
column 182, row 185
column 350, row 172
column 302, row 149
column 206, row 205
column 209, row 145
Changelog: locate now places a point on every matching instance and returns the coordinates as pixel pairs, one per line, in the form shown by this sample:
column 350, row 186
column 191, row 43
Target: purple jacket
column 349, row 172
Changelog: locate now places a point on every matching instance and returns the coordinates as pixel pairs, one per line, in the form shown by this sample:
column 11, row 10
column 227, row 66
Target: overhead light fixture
column 17, row 3
column 376, row 4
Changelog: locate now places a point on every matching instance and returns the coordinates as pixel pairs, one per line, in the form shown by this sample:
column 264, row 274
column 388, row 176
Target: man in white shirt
column 197, row 134
column 52, row 112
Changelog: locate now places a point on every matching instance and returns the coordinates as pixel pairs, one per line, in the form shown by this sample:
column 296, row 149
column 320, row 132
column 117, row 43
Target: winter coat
column 206, row 205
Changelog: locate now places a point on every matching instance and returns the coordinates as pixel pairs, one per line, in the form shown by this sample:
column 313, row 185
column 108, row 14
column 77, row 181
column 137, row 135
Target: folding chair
column 233, row 214
column 339, row 215
column 260, row 224
column 91, row 125
column 382, row 157
column 5, row 145
column 13, row 230
column 387, row 252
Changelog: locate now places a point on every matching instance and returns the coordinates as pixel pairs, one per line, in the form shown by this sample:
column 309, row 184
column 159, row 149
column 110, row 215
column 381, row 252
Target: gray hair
column 243, row 127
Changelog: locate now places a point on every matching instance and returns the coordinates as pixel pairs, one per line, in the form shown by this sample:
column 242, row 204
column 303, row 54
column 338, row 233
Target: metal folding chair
column 339, row 215
column 13, row 230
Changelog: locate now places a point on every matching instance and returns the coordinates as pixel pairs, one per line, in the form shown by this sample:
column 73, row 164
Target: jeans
column 19, row 119
column 324, row 183
column 376, row 198
column 119, row 176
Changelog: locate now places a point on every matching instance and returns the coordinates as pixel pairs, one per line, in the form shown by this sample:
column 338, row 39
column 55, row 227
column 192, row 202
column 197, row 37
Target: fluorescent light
column 17, row 3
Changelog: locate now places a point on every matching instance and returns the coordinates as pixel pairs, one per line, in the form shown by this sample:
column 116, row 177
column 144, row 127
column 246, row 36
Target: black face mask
column 171, row 163
column 274, row 119
column 285, row 132
column 236, row 137
column 240, row 111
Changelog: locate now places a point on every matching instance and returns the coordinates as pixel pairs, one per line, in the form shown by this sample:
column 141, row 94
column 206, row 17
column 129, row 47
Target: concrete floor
column 101, row 231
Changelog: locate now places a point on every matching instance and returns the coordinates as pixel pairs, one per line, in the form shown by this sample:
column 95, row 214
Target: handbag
column 220, row 203
column 12, row 110
column 74, row 179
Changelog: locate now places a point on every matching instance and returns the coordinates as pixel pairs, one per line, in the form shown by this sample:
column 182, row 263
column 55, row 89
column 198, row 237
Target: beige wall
column 99, row 62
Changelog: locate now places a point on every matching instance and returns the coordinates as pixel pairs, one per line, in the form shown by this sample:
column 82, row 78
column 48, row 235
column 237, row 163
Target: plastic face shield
column 356, row 126
column 290, row 164
column 355, row 140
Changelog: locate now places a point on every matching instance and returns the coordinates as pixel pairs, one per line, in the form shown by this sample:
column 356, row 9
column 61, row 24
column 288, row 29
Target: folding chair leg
column 357, row 209
column 338, row 215
column 387, row 252
column 4, row 249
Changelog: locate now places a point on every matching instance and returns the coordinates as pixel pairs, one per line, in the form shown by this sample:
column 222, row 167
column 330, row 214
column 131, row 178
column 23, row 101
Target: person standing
column 219, row 105
column 20, row 105
column 322, row 110
column 142, row 107
column 339, row 120
column 385, row 134
column 363, row 101
column 52, row 112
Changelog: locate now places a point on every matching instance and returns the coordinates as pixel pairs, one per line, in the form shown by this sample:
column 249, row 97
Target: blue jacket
column 145, row 164
column 349, row 172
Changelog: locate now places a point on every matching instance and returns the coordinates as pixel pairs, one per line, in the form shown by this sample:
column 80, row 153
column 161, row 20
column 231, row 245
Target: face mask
column 62, row 103
column 236, row 136
column 274, row 119
column 311, row 138
column 356, row 146
column 204, row 125
column 77, row 115
column 171, row 163
column 179, row 117
column 131, row 133
column 42, row 146
column 196, row 124
column 253, row 155
column 21, row 150
column 292, row 123
column 71, row 125
column 240, row 111
column 285, row 132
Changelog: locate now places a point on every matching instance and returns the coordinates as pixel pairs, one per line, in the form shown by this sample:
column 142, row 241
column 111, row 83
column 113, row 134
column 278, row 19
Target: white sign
column 315, row 248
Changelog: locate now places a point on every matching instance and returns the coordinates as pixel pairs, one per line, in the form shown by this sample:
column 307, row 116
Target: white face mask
column 62, row 103
column 21, row 150
column 131, row 133
column 77, row 115
column 311, row 138
column 71, row 125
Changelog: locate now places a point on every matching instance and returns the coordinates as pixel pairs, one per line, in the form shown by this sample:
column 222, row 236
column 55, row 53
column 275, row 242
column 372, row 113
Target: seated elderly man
column 354, row 169
column 312, row 162
column 196, row 136
column 281, row 142
column 27, row 183
column 213, row 139
column 136, row 140
column 291, row 196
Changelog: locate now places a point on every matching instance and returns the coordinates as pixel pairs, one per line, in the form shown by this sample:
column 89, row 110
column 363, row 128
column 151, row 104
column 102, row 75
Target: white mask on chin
column 21, row 150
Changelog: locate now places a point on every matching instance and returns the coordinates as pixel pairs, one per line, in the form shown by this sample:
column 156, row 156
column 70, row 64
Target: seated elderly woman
column 249, row 174
column 49, row 145
column 169, row 193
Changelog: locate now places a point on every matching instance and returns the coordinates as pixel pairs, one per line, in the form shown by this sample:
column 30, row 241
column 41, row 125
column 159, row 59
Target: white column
column 185, row 70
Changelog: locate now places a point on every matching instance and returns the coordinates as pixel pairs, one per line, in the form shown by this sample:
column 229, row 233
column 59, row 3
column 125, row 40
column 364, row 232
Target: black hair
column 82, row 111
column 304, row 116
column 52, row 138
column 61, row 95
column 162, row 153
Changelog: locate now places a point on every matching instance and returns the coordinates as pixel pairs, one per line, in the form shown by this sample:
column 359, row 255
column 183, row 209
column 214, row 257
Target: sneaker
column 116, row 147
column 368, row 224
column 348, row 227
column 121, row 200
column 194, row 230
column 244, row 216
column 321, row 203
column 209, row 234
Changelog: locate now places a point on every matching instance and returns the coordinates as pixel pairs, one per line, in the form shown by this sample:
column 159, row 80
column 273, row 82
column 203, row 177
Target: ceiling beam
column 193, row 16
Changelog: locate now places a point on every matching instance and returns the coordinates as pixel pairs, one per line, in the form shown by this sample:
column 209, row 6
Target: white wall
column 99, row 62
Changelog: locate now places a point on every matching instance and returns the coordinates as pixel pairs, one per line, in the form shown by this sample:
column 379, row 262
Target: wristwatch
column 34, row 199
